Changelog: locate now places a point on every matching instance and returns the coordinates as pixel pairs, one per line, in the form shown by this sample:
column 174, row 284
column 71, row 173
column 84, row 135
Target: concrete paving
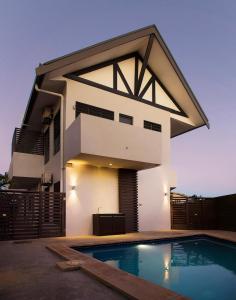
column 29, row 272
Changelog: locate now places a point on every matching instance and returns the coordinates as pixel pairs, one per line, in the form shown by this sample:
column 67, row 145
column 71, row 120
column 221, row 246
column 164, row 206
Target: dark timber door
column 128, row 198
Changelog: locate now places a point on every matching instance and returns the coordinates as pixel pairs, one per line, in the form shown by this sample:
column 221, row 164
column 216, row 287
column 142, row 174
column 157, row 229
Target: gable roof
column 107, row 49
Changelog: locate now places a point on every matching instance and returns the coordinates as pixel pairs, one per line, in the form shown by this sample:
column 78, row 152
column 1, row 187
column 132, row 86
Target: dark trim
column 135, row 72
column 154, row 91
column 46, row 145
column 57, row 132
column 173, row 136
column 146, row 88
column 103, row 64
column 145, row 63
column 38, row 80
column 124, row 80
column 162, row 86
column 115, row 76
column 111, row 90
column 98, row 48
column 116, row 68
column 115, row 42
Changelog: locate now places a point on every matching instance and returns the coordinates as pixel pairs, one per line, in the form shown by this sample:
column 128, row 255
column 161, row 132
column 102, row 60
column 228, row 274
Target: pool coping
column 127, row 284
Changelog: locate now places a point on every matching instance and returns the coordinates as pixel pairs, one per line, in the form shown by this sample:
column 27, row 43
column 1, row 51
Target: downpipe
column 62, row 126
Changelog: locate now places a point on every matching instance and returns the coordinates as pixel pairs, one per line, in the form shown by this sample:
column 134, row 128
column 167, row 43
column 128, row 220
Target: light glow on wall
column 166, row 196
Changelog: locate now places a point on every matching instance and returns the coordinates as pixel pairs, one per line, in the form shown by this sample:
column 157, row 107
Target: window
column 152, row 126
column 57, row 131
column 56, row 187
column 93, row 110
column 46, row 146
column 126, row 119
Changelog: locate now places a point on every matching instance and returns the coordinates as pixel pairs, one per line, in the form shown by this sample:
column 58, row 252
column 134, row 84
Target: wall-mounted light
column 166, row 194
column 73, row 187
column 69, row 165
column 110, row 164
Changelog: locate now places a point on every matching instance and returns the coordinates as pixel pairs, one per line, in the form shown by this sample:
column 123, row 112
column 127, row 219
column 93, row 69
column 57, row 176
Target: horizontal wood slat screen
column 27, row 141
column 28, row 215
column 203, row 213
column 128, row 198
column 226, row 208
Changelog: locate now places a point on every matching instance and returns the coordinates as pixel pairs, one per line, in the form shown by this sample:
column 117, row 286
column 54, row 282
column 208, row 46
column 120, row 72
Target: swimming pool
column 201, row 268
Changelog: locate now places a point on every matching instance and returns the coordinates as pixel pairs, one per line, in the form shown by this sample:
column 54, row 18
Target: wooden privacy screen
column 128, row 198
column 27, row 141
column 25, row 215
column 203, row 213
column 226, row 209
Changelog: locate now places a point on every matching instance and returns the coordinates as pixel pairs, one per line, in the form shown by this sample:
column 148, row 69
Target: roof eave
column 52, row 65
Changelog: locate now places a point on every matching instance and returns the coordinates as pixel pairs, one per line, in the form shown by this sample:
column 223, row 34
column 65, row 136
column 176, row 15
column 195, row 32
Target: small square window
column 126, row 119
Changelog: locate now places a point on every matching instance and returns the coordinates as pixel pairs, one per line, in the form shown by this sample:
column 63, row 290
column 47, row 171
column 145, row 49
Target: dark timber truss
column 137, row 93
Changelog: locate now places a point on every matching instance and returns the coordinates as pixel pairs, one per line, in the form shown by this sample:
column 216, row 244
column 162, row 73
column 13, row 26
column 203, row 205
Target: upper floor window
column 152, row 126
column 126, row 119
column 57, row 131
column 46, row 146
column 93, row 110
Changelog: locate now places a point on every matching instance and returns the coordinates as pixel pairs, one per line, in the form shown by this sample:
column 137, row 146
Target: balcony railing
column 27, row 141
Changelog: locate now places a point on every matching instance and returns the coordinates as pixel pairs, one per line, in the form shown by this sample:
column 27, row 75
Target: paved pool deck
column 28, row 270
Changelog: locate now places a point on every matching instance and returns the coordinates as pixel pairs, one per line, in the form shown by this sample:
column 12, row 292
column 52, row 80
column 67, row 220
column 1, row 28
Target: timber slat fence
column 28, row 215
column 203, row 213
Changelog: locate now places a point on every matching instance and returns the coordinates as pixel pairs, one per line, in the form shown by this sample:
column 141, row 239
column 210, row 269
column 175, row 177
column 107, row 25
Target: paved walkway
column 28, row 271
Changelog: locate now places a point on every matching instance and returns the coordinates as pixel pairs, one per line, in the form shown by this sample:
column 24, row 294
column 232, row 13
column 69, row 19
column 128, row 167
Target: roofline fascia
column 106, row 45
column 95, row 49
column 38, row 80
column 181, row 76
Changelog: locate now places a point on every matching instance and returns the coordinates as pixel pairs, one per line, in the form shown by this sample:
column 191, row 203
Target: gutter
column 62, row 127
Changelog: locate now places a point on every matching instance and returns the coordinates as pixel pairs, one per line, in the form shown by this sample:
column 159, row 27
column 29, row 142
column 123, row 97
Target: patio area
column 28, row 270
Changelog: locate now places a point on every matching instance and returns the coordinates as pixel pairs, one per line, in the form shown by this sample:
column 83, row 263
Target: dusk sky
column 201, row 35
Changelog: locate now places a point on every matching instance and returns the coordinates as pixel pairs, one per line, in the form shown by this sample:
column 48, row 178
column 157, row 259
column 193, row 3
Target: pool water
column 199, row 268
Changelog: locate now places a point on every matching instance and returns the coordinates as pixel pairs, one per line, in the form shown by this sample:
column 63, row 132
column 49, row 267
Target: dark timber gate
column 193, row 212
column 28, row 215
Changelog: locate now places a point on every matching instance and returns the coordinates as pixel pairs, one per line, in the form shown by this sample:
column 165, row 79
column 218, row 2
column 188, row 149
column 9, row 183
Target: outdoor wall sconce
column 166, row 194
column 69, row 165
column 73, row 187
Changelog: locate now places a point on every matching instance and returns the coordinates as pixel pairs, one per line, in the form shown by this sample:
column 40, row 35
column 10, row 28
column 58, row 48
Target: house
column 98, row 126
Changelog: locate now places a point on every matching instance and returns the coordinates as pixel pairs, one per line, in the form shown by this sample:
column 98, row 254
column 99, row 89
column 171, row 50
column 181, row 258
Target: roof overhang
column 160, row 60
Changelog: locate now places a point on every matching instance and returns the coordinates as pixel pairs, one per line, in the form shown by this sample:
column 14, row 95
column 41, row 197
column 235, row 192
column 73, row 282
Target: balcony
column 27, row 159
column 102, row 142
column 27, row 141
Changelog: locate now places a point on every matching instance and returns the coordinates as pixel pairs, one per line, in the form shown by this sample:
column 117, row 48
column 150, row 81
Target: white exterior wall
column 26, row 165
column 154, row 214
column 153, row 184
column 96, row 188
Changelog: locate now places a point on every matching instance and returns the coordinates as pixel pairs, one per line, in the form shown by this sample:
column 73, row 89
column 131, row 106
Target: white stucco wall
column 95, row 188
column 153, row 184
column 154, row 206
column 154, row 212
column 26, row 165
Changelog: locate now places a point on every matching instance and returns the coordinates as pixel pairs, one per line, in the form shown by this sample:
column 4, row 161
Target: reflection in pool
column 200, row 268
